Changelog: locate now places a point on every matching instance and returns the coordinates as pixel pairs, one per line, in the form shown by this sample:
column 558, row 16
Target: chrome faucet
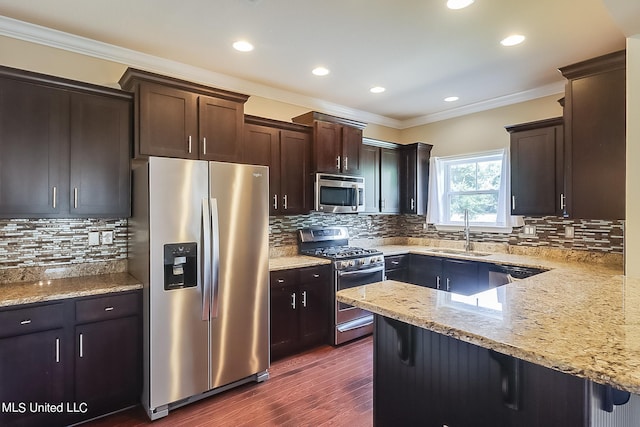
column 467, row 242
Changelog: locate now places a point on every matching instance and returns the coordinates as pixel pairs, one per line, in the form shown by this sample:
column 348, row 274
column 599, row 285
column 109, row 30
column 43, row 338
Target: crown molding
column 503, row 101
column 60, row 40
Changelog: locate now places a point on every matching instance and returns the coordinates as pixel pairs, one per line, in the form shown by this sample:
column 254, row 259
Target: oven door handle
column 364, row 271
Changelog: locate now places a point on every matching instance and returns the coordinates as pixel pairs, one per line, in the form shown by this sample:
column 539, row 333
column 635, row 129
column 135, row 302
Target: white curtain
column 435, row 213
column 435, row 207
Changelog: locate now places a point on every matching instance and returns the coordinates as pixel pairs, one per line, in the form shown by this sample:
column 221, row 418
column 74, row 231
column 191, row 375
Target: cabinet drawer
column 31, row 319
column 315, row 274
column 107, row 307
column 396, row 261
column 283, row 277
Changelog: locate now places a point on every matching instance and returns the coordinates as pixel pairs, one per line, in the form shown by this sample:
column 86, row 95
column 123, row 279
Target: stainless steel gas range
column 351, row 267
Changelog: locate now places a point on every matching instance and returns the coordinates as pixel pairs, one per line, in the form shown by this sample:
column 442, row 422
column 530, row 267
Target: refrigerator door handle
column 206, row 259
column 215, row 259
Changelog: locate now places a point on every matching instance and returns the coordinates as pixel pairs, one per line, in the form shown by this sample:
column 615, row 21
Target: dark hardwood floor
column 327, row 386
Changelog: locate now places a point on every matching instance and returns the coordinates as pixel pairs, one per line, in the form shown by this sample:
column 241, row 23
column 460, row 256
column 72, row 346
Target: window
column 473, row 184
column 477, row 183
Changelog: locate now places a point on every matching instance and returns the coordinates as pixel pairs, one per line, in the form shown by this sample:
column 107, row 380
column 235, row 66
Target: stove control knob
column 362, row 261
column 352, row 263
column 344, row 264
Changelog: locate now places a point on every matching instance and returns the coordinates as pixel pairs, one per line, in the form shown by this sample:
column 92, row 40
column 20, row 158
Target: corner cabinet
column 286, row 149
column 414, row 178
column 82, row 355
column 537, row 167
column 64, row 148
column 336, row 142
column 176, row 118
column 595, row 129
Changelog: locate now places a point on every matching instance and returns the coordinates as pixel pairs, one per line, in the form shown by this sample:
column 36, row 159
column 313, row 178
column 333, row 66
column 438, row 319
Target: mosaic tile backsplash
column 590, row 235
column 51, row 243
column 28, row 243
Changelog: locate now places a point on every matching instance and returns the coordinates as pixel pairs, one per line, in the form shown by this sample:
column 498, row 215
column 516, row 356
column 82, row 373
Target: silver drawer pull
column 108, row 308
column 316, row 275
column 395, row 262
column 280, row 280
column 25, row 322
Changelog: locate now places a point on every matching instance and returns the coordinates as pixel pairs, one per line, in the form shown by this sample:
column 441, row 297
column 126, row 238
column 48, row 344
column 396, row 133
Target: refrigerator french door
column 200, row 246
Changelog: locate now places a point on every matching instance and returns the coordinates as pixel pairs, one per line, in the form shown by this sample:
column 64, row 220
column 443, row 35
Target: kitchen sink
column 458, row 252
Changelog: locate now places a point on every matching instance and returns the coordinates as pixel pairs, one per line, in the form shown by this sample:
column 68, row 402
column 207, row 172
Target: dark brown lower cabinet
column 300, row 309
column 32, row 372
column 422, row 378
column 56, row 370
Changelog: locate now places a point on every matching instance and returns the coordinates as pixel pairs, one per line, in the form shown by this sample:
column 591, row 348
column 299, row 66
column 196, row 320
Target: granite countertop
column 580, row 317
column 56, row 289
column 295, row 261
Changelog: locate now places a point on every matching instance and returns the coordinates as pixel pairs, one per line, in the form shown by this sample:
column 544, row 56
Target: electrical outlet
column 94, row 238
column 107, row 237
column 569, row 232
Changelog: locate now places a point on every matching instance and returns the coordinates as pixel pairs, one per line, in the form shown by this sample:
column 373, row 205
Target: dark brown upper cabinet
column 64, row 148
column 537, row 167
column 336, row 142
column 380, row 167
column 414, row 177
column 177, row 118
column 595, row 132
column 286, row 149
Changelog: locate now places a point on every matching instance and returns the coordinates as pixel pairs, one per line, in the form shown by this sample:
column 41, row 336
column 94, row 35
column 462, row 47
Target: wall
column 481, row 131
column 632, row 236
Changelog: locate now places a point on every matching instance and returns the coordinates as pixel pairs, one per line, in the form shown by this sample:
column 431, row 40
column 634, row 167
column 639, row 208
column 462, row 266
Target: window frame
column 474, row 158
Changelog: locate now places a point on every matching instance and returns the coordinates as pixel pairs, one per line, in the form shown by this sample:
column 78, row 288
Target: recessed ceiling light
column 320, row 71
column 458, row 4
column 377, row 89
column 512, row 40
column 451, row 98
column 243, row 46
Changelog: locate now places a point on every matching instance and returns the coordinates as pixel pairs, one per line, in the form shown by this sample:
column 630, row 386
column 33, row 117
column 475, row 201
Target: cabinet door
column 34, row 135
column 327, row 147
column 314, row 292
column 284, row 315
column 595, row 115
column 295, row 172
column 351, row 144
column 107, row 370
column 168, row 124
column 220, row 129
column 100, row 151
column 390, row 181
column 32, row 370
column 262, row 147
column 461, row 277
column 537, row 171
column 426, row 271
column 408, row 175
column 370, row 168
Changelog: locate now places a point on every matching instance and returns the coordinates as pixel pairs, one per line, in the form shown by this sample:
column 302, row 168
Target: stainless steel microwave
column 339, row 193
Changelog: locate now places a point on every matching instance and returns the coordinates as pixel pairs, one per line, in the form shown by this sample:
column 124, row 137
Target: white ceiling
column 418, row 49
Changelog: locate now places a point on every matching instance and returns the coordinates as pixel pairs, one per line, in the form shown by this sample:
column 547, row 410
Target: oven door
column 351, row 279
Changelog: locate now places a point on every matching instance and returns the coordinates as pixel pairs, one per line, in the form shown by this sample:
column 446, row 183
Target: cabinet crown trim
column 608, row 62
column 311, row 116
column 278, row 124
column 555, row 121
column 62, row 83
column 132, row 77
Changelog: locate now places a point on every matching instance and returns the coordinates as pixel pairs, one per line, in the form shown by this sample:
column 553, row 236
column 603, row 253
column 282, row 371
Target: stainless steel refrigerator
column 199, row 244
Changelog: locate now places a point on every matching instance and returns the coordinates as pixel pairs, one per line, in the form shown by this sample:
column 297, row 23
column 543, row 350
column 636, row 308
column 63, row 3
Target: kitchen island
column 578, row 324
